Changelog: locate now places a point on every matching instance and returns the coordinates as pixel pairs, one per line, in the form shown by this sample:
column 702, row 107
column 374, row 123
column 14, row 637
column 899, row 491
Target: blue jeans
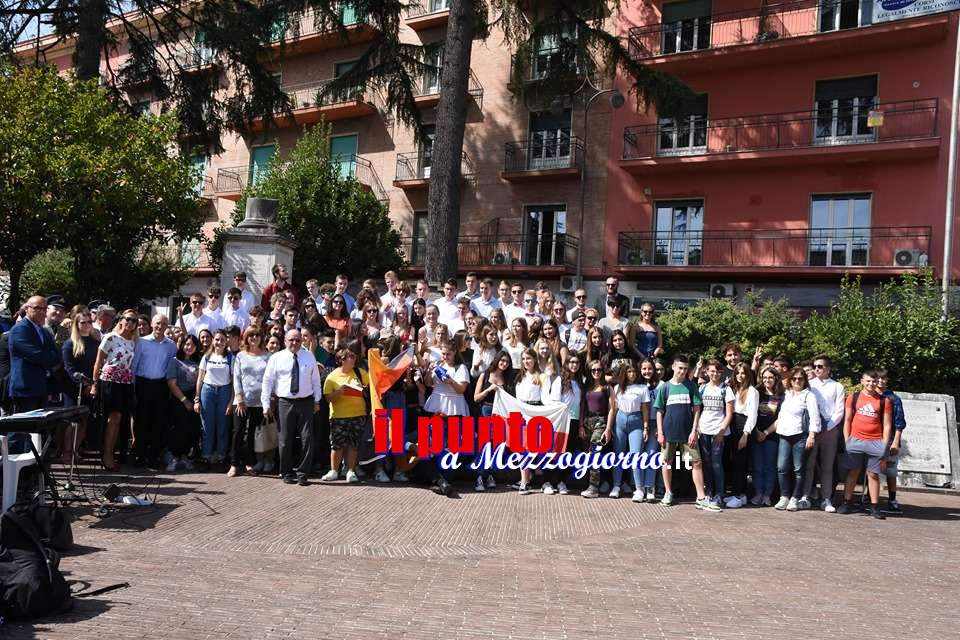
column 711, row 451
column 214, row 420
column 628, row 435
column 649, row 476
column 764, row 465
column 790, row 460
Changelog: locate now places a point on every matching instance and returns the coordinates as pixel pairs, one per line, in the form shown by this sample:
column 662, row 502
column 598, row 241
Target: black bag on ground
column 51, row 523
column 31, row 584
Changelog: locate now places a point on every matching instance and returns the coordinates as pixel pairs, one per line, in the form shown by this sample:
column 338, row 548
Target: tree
column 339, row 224
column 78, row 175
column 243, row 33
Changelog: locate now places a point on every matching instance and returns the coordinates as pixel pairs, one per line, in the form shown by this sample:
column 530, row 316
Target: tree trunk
column 90, row 38
column 445, row 179
column 13, row 302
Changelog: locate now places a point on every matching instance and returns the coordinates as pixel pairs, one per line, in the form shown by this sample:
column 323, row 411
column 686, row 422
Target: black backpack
column 31, row 584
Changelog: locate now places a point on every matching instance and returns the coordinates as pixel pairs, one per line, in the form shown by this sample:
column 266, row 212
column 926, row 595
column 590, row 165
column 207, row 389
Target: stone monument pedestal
column 254, row 246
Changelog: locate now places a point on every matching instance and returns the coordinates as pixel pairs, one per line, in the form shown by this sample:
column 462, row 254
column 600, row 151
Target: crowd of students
column 270, row 385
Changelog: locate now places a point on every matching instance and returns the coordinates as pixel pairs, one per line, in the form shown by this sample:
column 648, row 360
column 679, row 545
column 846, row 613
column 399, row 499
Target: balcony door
column 433, row 62
column 260, row 159
column 347, row 94
column 545, row 235
column 686, row 26
column 549, row 140
column 678, row 233
column 348, row 14
column 425, row 157
column 199, row 165
column 418, row 243
column 835, row 15
column 439, row 5
column 684, row 134
column 343, row 154
column 842, row 107
column 551, row 54
column 840, row 230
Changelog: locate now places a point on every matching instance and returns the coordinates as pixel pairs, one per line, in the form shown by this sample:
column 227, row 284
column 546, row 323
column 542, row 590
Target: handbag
column 51, row 524
column 266, row 438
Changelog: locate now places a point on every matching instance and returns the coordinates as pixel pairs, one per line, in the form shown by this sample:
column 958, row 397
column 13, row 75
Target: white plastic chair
column 13, row 463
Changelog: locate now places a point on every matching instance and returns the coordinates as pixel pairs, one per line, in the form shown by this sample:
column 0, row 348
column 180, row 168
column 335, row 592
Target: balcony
column 427, row 92
column 231, row 181
column 311, row 101
column 900, row 132
column 877, row 251
column 303, row 34
column 196, row 59
column 517, row 254
column 548, row 156
column 427, row 14
column 362, row 170
column 790, row 31
column 205, row 190
column 557, row 63
column 413, row 170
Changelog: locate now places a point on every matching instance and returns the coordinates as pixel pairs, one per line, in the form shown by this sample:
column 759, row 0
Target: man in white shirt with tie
column 292, row 375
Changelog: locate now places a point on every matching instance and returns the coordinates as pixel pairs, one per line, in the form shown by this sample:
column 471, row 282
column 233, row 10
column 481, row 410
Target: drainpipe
column 951, row 180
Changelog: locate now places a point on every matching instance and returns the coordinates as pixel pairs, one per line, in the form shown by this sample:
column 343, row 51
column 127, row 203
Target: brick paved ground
column 253, row 558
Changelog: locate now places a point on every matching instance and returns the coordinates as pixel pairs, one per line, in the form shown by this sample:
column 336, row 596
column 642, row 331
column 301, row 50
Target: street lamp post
column 616, row 101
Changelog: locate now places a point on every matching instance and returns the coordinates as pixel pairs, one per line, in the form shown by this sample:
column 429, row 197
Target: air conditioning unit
column 910, row 258
column 568, row 284
column 503, row 257
column 721, row 290
column 635, row 303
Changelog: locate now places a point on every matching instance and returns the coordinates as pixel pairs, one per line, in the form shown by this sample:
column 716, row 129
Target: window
column 343, row 153
column 425, row 157
column 278, row 30
column 260, row 160
column 199, row 165
column 842, row 107
column 686, row 26
column 840, row 230
column 845, row 14
column 555, row 53
column 545, row 233
column 678, row 233
column 346, row 94
column 204, row 53
column 549, row 140
column 433, row 62
column 418, row 244
column 348, row 14
column 434, row 6
column 684, row 134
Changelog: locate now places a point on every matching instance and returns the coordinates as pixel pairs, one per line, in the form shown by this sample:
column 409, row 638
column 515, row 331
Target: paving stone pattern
column 254, row 558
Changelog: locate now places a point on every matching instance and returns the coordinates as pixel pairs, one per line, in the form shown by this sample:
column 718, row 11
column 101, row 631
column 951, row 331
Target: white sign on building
column 888, row 10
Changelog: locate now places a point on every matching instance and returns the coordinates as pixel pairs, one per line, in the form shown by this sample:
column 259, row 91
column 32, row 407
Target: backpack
column 856, row 397
column 31, row 584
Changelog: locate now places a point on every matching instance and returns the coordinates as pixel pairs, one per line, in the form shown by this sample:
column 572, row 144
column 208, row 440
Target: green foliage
column 898, row 327
column 339, row 224
column 77, row 175
column 51, row 272
column 701, row 328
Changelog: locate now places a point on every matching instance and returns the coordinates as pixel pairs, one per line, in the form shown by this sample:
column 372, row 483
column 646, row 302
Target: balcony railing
column 355, row 166
column 555, row 62
column 232, row 179
column 306, row 24
column 853, row 247
column 545, row 151
column 513, row 252
column 748, row 26
column 195, row 57
column 314, row 94
column 887, row 122
column 416, row 166
column 204, row 188
column 430, row 86
column 426, row 7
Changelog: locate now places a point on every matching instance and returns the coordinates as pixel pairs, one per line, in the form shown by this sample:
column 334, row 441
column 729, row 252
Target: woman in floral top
column 114, row 370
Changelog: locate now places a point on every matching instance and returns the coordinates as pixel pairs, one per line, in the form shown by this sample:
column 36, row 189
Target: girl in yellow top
column 343, row 389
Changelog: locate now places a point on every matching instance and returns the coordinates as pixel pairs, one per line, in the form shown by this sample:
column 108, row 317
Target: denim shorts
column 864, row 452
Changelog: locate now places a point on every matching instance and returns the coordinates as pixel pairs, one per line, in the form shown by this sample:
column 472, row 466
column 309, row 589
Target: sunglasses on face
column 596, row 370
column 819, row 366
column 591, row 318
column 83, row 322
column 799, row 378
column 610, row 285
column 129, row 319
column 579, row 297
column 196, row 302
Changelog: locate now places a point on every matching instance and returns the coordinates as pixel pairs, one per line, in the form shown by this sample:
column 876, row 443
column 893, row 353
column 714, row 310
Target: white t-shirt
column 571, row 398
column 530, row 388
column 195, row 325
column 217, row 370
column 632, row 399
column 714, row 412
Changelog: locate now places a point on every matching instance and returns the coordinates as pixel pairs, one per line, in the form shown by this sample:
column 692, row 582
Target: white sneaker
column 651, row 496
column 756, row 500
column 590, row 492
column 352, row 477
column 803, row 503
column 781, row 503
column 525, row 489
column 548, row 489
column 638, row 496
column 400, row 476
column 562, row 489
column 733, row 502
column 491, row 483
column 828, row 506
column 766, row 501
column 605, row 487
column 615, row 492
column 330, row 476
column 792, row 505
column 479, row 486
column 380, row 476
column 172, row 465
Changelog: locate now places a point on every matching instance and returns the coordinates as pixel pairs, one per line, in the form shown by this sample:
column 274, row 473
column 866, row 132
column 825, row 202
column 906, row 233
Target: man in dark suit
column 33, row 356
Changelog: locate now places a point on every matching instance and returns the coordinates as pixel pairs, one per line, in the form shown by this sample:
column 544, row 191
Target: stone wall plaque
column 926, row 443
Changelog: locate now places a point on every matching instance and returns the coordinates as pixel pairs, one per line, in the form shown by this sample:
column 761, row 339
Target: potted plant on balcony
column 765, row 30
